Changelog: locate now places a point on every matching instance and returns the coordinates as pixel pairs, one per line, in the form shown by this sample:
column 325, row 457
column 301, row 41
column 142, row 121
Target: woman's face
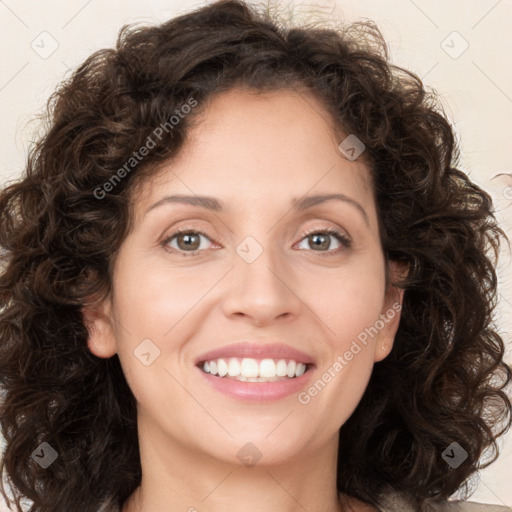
column 250, row 274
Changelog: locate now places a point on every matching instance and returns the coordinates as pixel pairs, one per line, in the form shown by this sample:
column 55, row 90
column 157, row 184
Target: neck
column 175, row 477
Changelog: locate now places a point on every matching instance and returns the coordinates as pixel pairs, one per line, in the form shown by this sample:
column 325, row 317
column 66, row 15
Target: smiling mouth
column 248, row 369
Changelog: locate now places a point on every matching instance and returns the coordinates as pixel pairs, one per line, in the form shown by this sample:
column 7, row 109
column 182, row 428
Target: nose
column 263, row 291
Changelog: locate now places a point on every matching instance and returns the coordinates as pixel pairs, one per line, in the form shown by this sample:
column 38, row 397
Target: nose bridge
column 259, row 287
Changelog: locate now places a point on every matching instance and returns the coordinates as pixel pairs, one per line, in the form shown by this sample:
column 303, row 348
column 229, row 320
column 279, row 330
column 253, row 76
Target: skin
column 255, row 153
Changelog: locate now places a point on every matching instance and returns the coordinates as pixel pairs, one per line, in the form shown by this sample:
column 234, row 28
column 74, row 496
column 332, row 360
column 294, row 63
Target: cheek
column 164, row 305
column 348, row 300
column 351, row 305
column 149, row 306
column 151, row 298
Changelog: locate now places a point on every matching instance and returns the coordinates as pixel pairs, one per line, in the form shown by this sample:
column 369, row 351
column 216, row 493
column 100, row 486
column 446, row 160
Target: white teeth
column 233, row 367
column 291, row 369
column 267, row 368
column 281, row 368
column 248, row 369
column 222, row 367
column 301, row 368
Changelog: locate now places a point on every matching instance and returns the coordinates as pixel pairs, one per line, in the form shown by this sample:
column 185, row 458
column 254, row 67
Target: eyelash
column 344, row 241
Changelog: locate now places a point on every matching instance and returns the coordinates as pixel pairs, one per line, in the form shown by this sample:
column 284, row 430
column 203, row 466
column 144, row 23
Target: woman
column 242, row 271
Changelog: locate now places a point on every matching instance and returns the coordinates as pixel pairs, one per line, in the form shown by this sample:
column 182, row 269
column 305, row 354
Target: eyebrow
column 212, row 204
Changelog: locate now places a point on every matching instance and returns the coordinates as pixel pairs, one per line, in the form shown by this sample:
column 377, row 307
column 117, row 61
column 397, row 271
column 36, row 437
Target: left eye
column 190, row 241
column 321, row 240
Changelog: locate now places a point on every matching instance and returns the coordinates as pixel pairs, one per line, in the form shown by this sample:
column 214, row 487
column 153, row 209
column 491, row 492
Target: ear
column 99, row 322
column 391, row 311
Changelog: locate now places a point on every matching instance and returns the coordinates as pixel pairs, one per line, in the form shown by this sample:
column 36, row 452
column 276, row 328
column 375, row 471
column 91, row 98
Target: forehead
column 262, row 148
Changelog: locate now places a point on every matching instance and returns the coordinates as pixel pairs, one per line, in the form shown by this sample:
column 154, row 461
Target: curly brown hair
column 445, row 377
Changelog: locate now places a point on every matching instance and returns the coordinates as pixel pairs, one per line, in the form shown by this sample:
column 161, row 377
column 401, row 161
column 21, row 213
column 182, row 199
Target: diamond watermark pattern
column 45, row 45
column 249, row 455
column 249, row 249
column 454, row 455
column 44, row 455
column 454, row 45
column 146, row 352
column 351, row 147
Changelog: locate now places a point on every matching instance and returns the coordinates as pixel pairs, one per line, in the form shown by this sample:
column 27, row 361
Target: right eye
column 188, row 241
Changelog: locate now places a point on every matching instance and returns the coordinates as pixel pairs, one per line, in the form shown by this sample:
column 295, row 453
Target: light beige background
column 475, row 84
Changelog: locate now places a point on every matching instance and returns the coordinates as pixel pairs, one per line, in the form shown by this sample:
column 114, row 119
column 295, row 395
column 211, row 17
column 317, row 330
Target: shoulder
column 469, row 506
column 398, row 502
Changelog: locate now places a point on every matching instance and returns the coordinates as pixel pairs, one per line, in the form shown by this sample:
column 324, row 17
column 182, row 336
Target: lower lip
column 257, row 391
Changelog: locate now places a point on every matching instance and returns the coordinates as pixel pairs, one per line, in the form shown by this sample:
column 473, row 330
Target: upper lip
column 257, row 351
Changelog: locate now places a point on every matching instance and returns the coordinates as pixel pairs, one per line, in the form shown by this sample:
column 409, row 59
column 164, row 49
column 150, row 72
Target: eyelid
column 321, row 227
column 167, row 239
column 343, row 238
